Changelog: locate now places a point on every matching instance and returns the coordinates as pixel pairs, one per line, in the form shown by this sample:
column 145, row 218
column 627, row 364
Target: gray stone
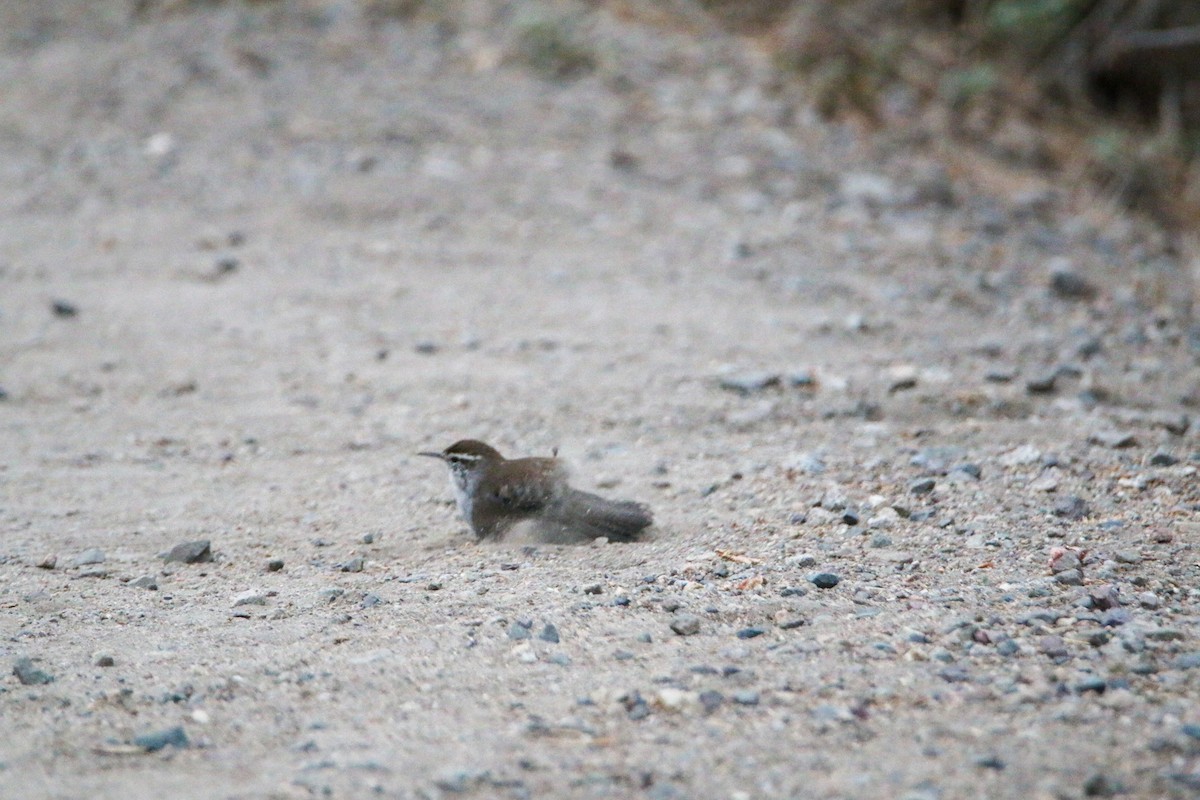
column 1163, row 459
column 1116, row 440
column 250, row 597
column 103, row 660
column 746, row 697
column 1165, row 635
column 1071, row 507
column 711, row 700
column 518, row 632
column 750, row 382
column 549, row 633
column 824, row 580
column 157, row 740
column 685, row 624
column 275, row 565
column 29, row 675
column 969, row 469
column 938, row 459
column 1069, row 577
column 1187, row 661
column 355, row 564
column 922, row 486
column 750, row 633
column 1101, row 785
column 1053, row 646
column 954, row 673
column 93, row 555
column 190, row 552
column 1070, row 285
column 145, row 582
column 1042, row 383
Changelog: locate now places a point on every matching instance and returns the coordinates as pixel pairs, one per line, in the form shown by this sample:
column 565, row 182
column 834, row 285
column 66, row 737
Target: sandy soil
column 292, row 245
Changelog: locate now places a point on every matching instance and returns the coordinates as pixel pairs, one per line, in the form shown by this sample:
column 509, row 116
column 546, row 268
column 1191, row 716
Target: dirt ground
column 253, row 257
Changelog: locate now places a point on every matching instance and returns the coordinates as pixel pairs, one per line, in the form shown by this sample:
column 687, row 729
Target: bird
column 495, row 495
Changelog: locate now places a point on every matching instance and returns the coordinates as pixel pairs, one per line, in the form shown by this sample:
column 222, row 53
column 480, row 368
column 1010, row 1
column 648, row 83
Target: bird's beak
column 433, row 455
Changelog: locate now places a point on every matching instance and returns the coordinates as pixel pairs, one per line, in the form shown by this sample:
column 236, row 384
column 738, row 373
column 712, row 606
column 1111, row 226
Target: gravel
column 587, row 259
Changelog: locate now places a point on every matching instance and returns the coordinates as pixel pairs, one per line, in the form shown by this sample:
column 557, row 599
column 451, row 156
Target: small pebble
column 64, row 310
column 29, row 675
column 922, row 486
column 152, row 742
column 1053, row 646
column 685, row 624
column 750, row 633
column 93, row 555
column 275, row 565
column 250, row 597
column 49, row 562
column 355, row 564
column 1068, row 284
column 824, row 580
column 1069, row 577
column 711, row 700
column 1100, row 785
column 145, row 582
column 955, row 673
column 751, row 382
column 745, row 697
column 190, row 552
column 1042, row 383
column 1187, row 661
column 519, row 632
column 1163, row 459
column 1071, row 507
column 990, row 762
column 593, row 588
column 1117, row 440
column 549, row 633
column 103, row 660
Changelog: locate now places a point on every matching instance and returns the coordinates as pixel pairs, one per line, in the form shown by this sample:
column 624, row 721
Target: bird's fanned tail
column 582, row 516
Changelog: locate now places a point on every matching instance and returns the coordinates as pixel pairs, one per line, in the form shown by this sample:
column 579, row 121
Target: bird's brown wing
column 545, row 481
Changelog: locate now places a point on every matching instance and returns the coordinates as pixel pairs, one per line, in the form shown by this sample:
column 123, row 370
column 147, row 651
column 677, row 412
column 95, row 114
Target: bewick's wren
column 495, row 493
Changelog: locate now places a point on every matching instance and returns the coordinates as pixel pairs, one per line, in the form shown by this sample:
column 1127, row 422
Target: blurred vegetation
column 1112, row 85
